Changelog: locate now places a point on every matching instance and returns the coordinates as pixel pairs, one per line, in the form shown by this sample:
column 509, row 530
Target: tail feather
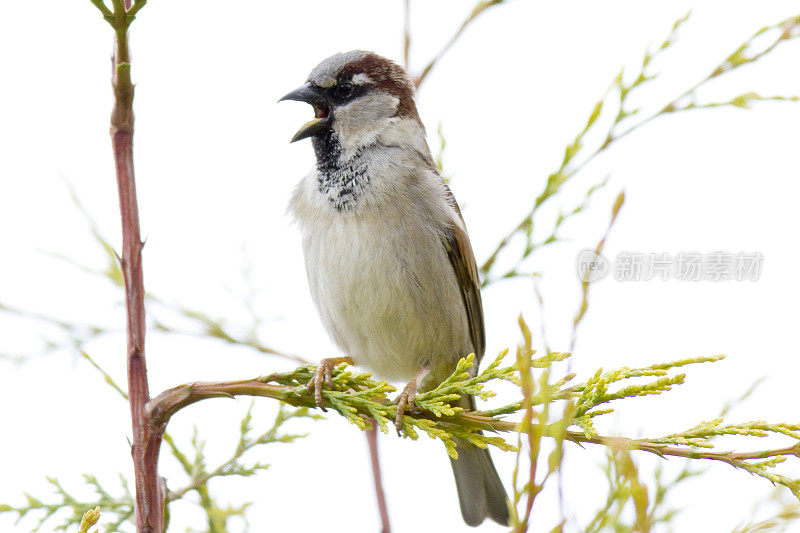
column 480, row 491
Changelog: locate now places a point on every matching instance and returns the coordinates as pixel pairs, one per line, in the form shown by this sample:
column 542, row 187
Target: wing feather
column 459, row 251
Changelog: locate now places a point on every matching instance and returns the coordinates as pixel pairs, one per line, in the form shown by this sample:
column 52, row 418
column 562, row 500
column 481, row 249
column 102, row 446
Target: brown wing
column 459, row 251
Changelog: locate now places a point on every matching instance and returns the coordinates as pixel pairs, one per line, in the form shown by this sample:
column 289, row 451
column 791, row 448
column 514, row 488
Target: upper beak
column 311, row 95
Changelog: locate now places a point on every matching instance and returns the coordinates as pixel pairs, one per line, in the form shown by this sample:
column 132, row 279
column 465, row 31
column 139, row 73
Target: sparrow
column 389, row 263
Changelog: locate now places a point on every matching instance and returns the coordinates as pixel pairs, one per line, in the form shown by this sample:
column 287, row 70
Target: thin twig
column 375, row 461
column 685, row 101
column 586, row 281
column 406, row 33
column 479, row 8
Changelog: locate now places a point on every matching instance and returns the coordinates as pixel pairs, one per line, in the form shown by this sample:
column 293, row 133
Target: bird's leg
column 407, row 397
column 323, row 375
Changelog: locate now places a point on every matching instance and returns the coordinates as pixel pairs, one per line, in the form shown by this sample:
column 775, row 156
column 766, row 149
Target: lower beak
column 311, row 95
column 311, row 128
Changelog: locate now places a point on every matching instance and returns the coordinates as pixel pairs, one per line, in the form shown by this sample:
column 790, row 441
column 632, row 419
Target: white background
column 215, row 170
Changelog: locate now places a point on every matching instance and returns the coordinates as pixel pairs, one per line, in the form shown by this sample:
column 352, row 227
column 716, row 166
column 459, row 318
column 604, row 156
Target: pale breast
column 384, row 287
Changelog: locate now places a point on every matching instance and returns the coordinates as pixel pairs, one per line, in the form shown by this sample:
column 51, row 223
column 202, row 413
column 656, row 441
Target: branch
column 364, row 402
column 663, row 450
column 586, row 281
column 150, row 488
column 204, row 324
column 199, row 474
column 118, row 507
column 375, row 462
column 576, row 157
column 360, row 399
column 406, row 33
column 170, row 401
column 479, row 8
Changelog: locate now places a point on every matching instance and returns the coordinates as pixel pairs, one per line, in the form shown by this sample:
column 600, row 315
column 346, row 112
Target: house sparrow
column 389, row 262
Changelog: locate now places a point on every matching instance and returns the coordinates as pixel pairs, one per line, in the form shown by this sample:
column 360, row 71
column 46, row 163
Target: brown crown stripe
column 390, row 77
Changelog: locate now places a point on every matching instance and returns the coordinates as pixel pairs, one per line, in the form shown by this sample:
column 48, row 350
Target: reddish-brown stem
column 383, row 509
column 146, row 438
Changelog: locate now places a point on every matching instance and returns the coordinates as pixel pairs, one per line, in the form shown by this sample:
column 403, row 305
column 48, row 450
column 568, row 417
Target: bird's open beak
column 311, row 95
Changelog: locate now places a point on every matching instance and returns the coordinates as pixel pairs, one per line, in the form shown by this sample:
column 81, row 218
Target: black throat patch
column 342, row 182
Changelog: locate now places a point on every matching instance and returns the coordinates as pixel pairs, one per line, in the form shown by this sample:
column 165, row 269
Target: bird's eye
column 344, row 90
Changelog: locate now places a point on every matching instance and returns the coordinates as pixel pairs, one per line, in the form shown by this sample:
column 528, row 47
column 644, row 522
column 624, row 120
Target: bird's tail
column 480, row 491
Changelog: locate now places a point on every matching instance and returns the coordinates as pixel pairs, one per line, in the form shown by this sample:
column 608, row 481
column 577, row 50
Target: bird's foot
column 324, row 375
column 405, row 400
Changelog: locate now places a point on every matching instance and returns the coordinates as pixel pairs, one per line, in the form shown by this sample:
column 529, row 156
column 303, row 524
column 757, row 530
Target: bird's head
column 355, row 96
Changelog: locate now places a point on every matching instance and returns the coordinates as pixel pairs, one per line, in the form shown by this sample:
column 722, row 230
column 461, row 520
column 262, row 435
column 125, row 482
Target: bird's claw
column 405, row 400
column 324, row 374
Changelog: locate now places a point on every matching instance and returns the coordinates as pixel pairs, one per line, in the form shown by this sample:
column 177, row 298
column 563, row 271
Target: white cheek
column 359, row 123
